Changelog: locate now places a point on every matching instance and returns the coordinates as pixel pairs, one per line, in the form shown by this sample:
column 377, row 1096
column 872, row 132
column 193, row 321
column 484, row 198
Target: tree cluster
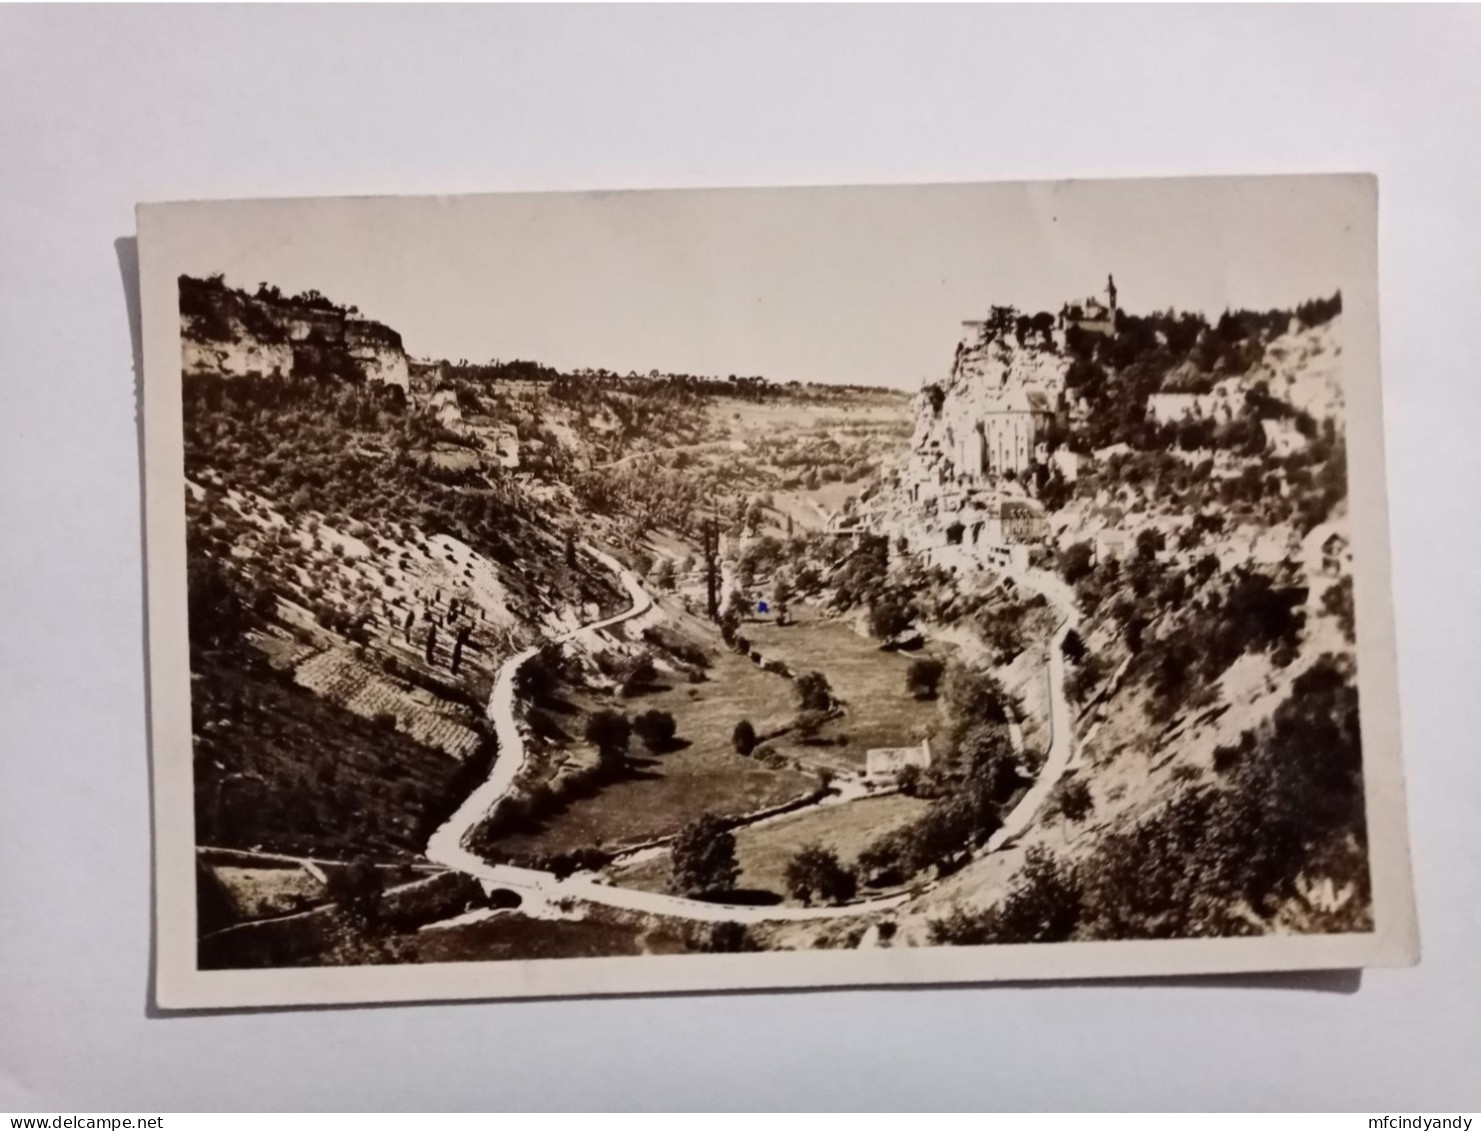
column 814, row 872
column 702, row 859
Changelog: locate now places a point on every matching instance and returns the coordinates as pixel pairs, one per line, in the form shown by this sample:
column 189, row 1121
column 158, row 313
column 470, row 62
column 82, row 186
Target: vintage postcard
column 597, row 593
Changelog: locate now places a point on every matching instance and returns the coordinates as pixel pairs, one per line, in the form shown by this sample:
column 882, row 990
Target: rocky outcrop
column 377, row 350
column 988, row 363
column 1303, row 367
column 226, row 332
column 243, row 357
column 992, row 410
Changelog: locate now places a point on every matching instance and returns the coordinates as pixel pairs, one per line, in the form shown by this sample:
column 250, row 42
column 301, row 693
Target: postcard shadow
column 126, row 250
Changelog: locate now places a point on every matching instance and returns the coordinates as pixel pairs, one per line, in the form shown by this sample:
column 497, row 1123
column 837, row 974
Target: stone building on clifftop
column 1093, row 315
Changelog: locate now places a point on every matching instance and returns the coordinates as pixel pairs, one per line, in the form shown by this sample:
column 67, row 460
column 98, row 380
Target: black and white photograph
column 768, row 587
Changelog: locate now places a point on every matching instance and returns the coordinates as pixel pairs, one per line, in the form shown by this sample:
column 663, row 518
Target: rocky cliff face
column 988, row 363
column 1304, row 368
column 242, row 357
column 990, row 373
column 377, row 350
column 226, row 332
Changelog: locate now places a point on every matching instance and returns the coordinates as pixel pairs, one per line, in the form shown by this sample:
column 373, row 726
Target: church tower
column 1111, row 294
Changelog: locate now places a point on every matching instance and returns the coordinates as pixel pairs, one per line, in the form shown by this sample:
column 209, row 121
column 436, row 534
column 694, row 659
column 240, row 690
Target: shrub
column 1226, row 757
column 973, row 698
column 542, row 800
column 909, row 780
column 539, row 677
column 357, row 888
column 888, row 618
column 609, row 732
column 1076, row 561
column 808, row 723
column 725, row 938
column 961, row 820
column 923, row 677
column 1071, row 800
column 510, row 815
column 1290, row 804
column 1074, row 648
column 656, row 728
column 672, row 643
column 743, row 738
column 1044, row 904
column 813, row 691
column 1337, row 602
column 564, row 864
column 638, row 676
column 769, row 755
column 1085, row 677
column 815, row 872
column 702, row 859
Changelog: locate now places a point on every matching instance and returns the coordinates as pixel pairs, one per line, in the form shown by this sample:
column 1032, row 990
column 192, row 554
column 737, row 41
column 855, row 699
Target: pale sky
column 865, row 285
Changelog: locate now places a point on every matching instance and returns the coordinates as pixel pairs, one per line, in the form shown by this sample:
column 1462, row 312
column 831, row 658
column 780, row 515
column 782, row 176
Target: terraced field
column 348, row 682
column 378, row 575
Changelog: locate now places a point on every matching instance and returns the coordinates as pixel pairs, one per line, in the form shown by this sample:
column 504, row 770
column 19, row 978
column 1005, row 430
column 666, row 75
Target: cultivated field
column 257, row 893
column 308, row 776
column 763, row 850
column 867, row 679
column 663, row 792
column 431, row 720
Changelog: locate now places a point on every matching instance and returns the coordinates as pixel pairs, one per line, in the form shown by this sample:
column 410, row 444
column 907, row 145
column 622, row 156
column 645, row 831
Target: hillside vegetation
column 1217, row 789
column 828, row 697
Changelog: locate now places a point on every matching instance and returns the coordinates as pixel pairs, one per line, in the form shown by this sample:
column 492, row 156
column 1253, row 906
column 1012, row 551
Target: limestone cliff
column 990, row 410
column 989, row 361
column 227, row 332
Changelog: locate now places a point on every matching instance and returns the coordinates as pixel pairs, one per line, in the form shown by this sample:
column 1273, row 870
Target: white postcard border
column 180, row 985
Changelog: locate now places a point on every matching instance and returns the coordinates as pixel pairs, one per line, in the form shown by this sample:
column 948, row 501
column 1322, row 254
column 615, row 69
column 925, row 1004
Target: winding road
column 446, row 846
column 1061, row 717
column 540, row 891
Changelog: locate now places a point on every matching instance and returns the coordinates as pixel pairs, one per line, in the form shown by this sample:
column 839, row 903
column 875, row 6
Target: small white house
column 1112, row 542
column 883, row 764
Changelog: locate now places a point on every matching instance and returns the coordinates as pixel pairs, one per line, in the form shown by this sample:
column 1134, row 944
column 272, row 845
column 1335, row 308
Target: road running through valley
column 446, row 846
column 541, row 891
column 1061, row 717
